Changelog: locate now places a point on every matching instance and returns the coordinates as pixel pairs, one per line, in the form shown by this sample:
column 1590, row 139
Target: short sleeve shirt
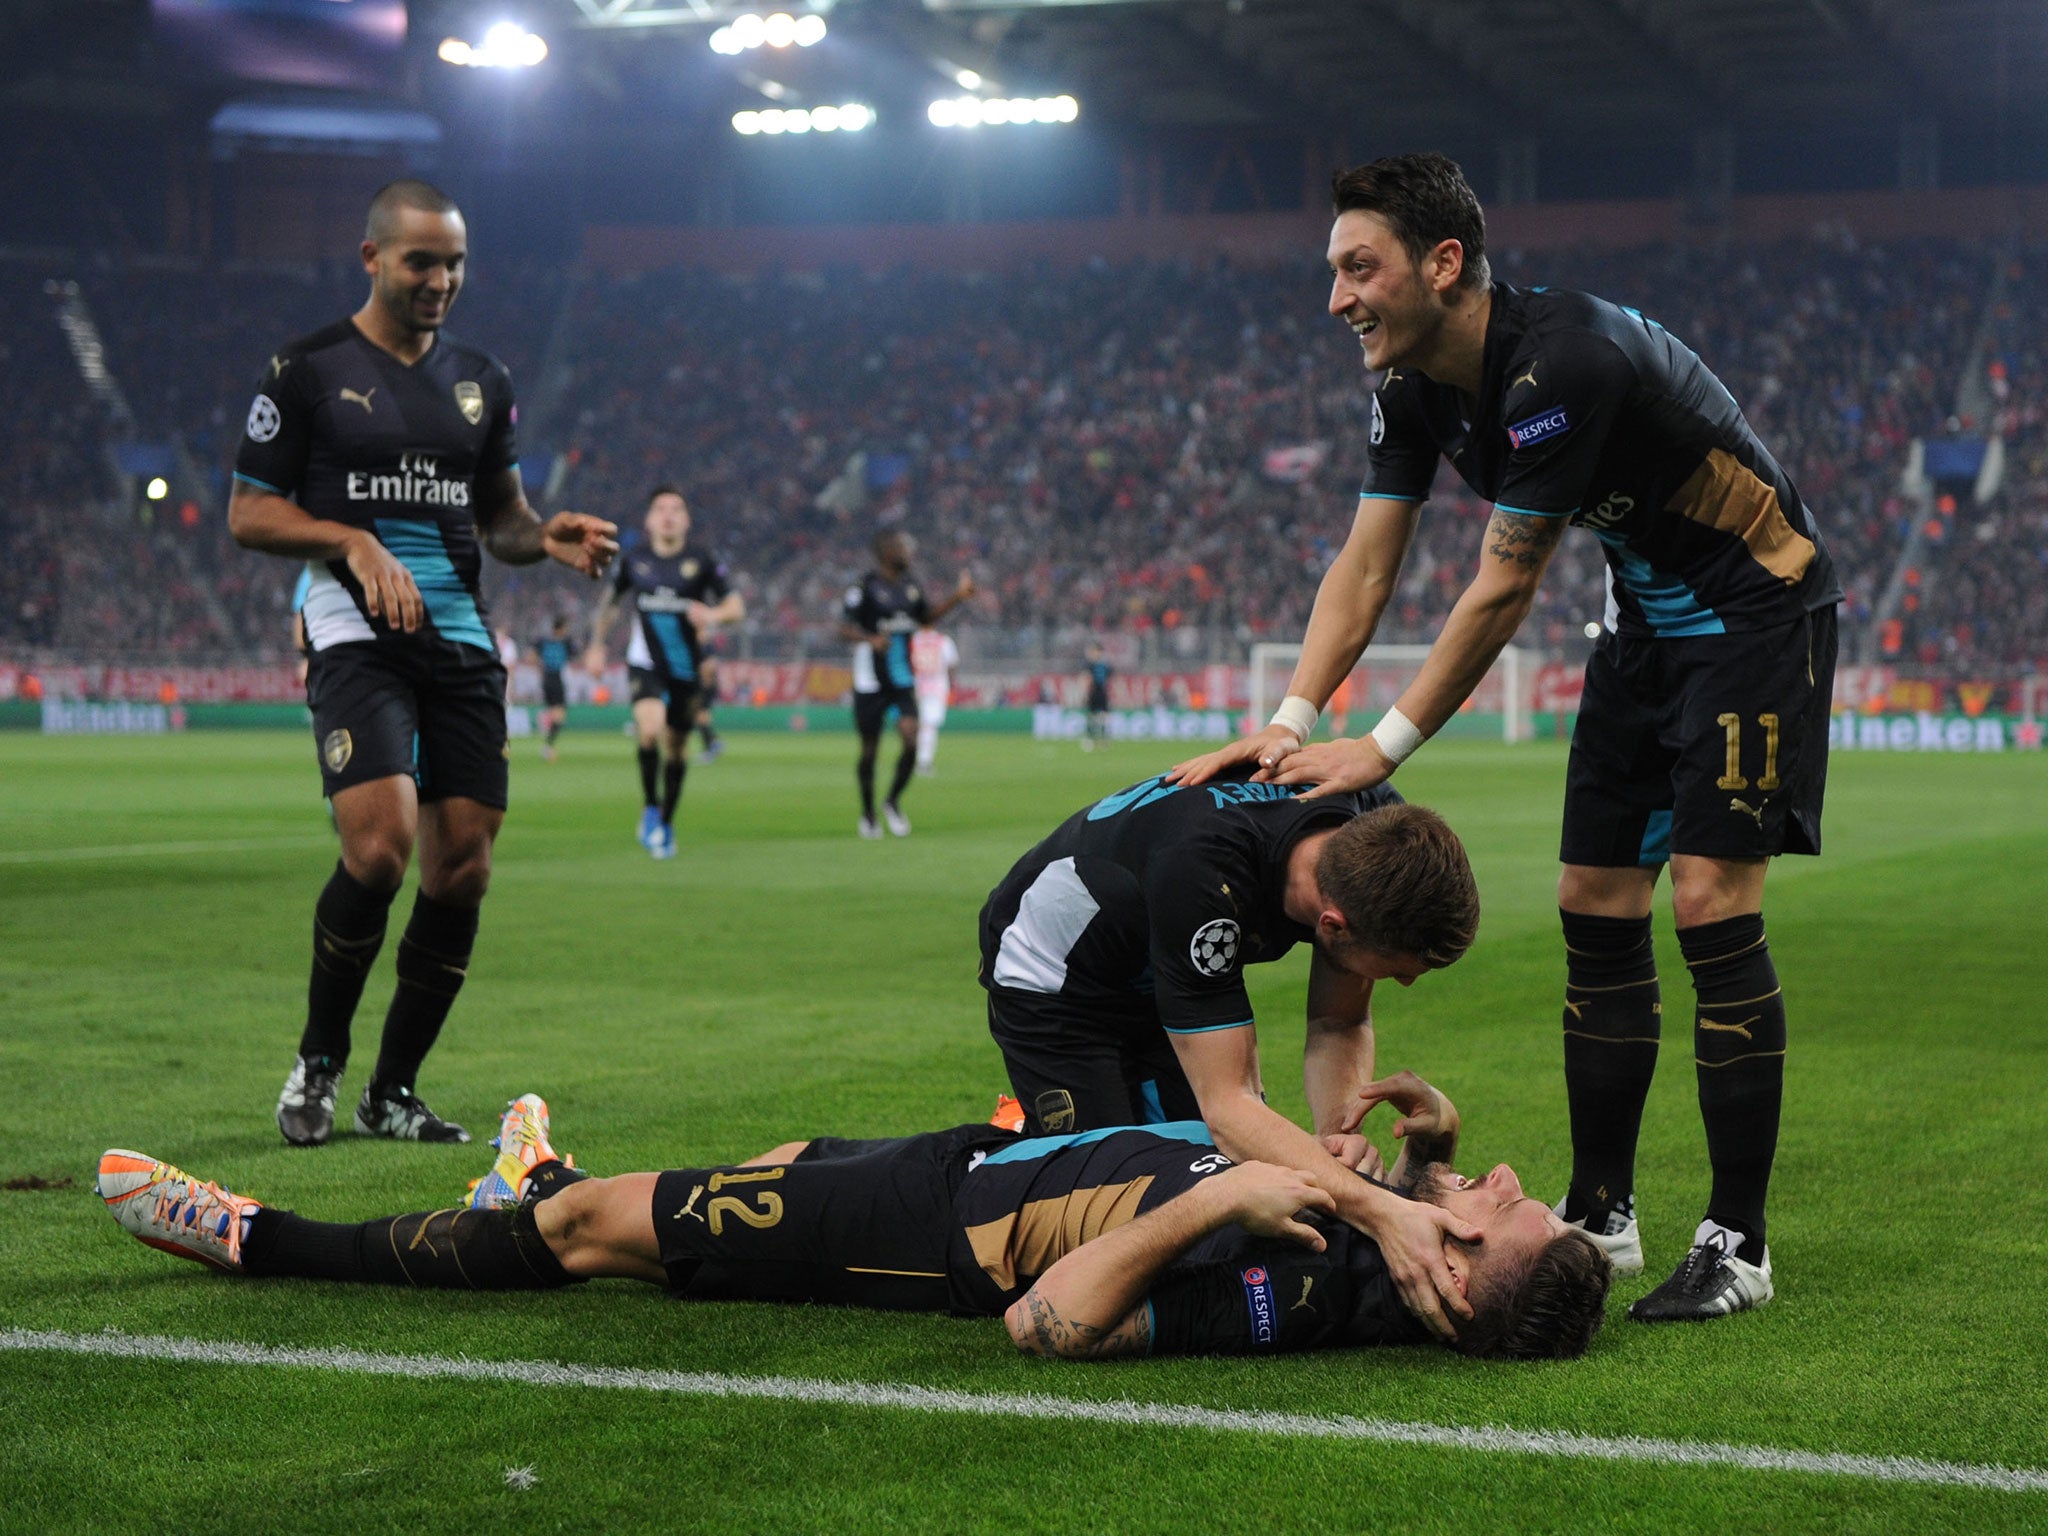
column 1593, row 412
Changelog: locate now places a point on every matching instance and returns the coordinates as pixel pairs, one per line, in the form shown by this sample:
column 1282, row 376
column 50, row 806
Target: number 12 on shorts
column 1732, row 778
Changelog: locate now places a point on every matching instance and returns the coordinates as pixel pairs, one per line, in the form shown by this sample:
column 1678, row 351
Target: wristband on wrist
column 1396, row 736
column 1297, row 715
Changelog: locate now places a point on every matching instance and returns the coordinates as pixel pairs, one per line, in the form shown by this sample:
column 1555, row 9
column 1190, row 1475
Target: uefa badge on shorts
column 336, row 750
column 469, row 397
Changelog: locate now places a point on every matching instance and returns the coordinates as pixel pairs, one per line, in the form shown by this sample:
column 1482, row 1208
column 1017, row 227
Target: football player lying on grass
column 1129, row 1241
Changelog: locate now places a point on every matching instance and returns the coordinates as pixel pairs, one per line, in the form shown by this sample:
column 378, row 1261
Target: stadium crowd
column 1169, row 448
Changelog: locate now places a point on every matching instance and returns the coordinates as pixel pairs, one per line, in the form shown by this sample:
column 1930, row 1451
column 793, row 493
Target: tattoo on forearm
column 1517, row 539
column 1056, row 1336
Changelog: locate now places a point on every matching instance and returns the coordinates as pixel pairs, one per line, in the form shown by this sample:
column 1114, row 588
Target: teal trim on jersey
column 1155, row 1112
column 668, row 629
column 418, row 546
column 1656, row 847
column 1388, row 496
column 900, row 673
column 1669, row 606
column 1501, row 506
column 261, row 485
column 1034, row 1147
column 304, row 586
column 1130, row 799
column 1210, row 1029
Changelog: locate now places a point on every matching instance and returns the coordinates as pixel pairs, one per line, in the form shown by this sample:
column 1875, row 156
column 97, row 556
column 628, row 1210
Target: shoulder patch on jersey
column 1213, row 949
column 469, row 399
column 1549, row 424
column 1258, row 1296
column 264, row 420
column 690, row 569
column 1379, row 422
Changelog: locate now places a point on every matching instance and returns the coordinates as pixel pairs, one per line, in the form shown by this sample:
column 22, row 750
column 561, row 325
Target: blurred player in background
column 933, row 656
column 1702, row 733
column 1099, row 674
column 382, row 453
column 551, row 654
column 675, row 590
column 882, row 611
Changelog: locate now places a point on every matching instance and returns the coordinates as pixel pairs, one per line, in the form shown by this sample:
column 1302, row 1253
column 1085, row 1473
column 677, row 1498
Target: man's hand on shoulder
column 1334, row 767
column 580, row 541
column 1267, row 748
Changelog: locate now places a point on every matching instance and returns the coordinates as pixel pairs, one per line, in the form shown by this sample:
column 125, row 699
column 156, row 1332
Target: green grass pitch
column 782, row 978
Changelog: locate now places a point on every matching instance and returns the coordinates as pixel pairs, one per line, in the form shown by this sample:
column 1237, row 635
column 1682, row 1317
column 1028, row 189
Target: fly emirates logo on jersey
column 417, row 483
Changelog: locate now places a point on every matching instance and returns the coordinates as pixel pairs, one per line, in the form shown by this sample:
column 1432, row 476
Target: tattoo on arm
column 1056, row 1337
column 1515, row 538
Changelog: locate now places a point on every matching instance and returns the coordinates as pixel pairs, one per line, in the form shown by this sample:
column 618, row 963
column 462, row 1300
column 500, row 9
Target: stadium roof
column 1417, row 68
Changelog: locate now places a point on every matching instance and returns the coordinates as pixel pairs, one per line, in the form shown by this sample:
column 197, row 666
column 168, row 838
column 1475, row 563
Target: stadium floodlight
column 973, row 111
column 505, row 45
column 850, row 117
column 778, row 30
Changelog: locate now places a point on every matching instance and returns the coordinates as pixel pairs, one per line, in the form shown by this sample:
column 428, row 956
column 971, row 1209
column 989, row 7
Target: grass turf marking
column 1524, row 1442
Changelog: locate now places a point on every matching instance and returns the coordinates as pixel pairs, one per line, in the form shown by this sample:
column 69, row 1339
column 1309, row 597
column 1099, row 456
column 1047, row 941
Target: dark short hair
column 1400, row 877
column 668, row 490
column 408, row 192
column 1426, row 200
column 1550, row 1310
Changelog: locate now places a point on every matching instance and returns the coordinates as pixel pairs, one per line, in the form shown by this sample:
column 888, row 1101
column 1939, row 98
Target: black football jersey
column 662, row 588
column 897, row 609
column 1593, row 412
column 1152, row 901
column 355, row 436
column 1022, row 1206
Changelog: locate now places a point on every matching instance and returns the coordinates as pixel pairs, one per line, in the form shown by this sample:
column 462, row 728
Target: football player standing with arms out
column 1701, row 740
column 381, row 452
column 882, row 611
column 675, row 591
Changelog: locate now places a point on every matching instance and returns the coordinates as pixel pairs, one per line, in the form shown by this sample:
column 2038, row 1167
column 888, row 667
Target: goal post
column 1501, row 706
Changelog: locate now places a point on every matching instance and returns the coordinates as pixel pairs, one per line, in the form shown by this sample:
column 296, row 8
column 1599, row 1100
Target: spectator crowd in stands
column 1171, row 448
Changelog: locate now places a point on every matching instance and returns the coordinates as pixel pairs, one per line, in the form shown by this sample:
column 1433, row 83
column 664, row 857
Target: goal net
column 1499, row 707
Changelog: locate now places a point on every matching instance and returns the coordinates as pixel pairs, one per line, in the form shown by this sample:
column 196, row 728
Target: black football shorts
column 679, row 696
column 858, row 1224
column 428, row 708
column 870, row 710
column 1075, row 1070
column 1715, row 745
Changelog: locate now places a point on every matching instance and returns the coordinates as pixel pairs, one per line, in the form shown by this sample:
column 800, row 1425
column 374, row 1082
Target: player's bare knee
column 574, row 1225
column 377, row 860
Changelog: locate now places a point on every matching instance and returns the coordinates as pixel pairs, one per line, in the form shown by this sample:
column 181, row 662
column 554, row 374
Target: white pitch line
column 153, row 850
column 851, row 1394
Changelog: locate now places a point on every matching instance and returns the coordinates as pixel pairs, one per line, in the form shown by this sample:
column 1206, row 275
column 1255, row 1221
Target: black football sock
column 672, row 773
column 864, row 770
column 1613, row 1015
column 649, row 758
column 433, row 959
column 709, row 733
column 549, row 1178
column 348, row 930
column 459, row 1249
column 554, row 730
column 906, row 765
column 1739, row 1048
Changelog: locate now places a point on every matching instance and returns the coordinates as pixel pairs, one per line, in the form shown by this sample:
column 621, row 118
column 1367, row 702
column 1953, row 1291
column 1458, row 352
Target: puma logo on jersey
column 1308, row 1283
column 1741, row 1029
column 1755, row 812
column 278, row 366
column 1528, row 378
column 363, row 399
column 695, row 1191
column 1576, row 1010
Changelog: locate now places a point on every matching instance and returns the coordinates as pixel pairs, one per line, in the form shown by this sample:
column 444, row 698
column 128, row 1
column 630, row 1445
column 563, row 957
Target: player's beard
column 1431, row 1182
